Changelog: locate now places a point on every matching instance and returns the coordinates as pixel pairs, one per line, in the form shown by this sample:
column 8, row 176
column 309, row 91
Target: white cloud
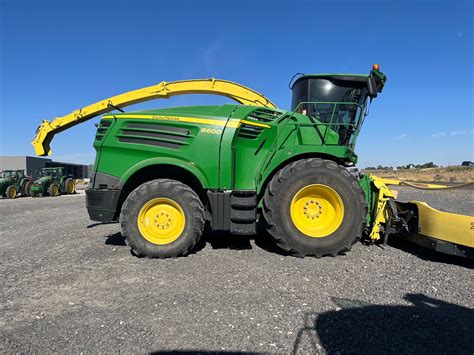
column 401, row 136
column 460, row 132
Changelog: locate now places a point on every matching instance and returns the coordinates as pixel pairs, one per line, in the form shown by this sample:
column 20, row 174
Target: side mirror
column 372, row 87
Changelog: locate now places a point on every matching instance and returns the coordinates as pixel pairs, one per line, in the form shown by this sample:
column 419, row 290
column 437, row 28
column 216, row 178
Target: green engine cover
column 41, row 184
column 233, row 147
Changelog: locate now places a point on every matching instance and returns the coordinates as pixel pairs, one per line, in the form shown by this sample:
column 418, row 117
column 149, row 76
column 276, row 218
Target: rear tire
column 69, row 186
column 162, row 218
column 53, row 189
column 344, row 211
column 26, row 187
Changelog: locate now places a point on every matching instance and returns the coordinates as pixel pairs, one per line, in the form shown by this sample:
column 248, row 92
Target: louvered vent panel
column 264, row 115
column 249, row 132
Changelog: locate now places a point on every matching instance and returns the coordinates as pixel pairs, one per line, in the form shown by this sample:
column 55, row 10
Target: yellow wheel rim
column 55, row 190
column 317, row 210
column 161, row 221
column 12, row 193
column 71, row 187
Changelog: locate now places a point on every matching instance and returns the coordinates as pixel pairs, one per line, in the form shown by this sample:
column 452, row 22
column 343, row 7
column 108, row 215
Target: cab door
column 246, row 143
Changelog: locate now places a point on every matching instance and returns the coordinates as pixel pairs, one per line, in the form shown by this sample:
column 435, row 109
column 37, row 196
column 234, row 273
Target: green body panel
column 4, row 183
column 41, row 184
column 370, row 192
column 123, row 159
column 23, row 180
column 238, row 147
column 216, row 154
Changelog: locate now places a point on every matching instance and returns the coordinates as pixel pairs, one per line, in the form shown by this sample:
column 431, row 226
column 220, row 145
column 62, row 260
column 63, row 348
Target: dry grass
column 447, row 174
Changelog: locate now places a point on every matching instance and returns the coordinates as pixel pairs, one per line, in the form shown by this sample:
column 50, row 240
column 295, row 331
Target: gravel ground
column 69, row 285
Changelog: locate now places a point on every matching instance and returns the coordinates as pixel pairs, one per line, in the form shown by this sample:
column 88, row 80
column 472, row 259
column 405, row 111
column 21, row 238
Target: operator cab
column 53, row 172
column 6, row 173
column 12, row 173
column 338, row 100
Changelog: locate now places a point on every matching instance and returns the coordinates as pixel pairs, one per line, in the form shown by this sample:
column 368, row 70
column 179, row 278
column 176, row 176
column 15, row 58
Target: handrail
column 331, row 124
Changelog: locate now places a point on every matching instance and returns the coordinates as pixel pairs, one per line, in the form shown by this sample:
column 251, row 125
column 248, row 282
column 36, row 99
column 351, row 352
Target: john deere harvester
column 52, row 182
column 14, row 183
column 163, row 174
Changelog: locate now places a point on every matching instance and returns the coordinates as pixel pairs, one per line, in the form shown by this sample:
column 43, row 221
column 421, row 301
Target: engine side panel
column 163, row 136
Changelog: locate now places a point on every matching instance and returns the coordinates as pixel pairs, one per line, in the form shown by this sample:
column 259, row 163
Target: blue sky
column 57, row 56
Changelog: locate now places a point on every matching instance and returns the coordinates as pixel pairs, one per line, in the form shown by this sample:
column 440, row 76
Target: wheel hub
column 161, row 221
column 317, row 210
column 312, row 209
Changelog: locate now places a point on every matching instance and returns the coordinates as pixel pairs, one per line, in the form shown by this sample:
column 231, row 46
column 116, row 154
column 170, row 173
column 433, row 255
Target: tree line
column 402, row 167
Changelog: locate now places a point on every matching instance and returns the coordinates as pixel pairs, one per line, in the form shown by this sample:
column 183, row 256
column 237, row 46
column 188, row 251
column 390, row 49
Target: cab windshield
column 339, row 103
column 6, row 174
column 50, row 172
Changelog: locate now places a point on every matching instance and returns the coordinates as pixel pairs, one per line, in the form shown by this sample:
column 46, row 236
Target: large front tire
column 162, row 218
column 314, row 207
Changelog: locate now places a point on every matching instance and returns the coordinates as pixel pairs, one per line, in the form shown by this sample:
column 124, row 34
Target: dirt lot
column 69, row 285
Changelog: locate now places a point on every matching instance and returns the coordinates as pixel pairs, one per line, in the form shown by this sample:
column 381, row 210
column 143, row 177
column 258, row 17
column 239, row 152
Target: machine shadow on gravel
column 201, row 352
column 427, row 326
column 115, row 239
column 93, row 225
column 225, row 240
column 217, row 240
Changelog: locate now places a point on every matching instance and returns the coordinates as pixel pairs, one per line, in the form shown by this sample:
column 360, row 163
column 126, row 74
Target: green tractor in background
column 52, row 182
column 14, row 183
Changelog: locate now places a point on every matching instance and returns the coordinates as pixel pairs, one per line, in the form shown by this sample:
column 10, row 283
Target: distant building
column 32, row 164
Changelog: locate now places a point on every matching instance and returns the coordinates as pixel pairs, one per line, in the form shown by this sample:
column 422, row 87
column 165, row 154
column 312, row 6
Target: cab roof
column 360, row 78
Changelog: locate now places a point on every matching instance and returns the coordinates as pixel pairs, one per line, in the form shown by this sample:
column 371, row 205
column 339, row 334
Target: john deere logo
column 166, row 118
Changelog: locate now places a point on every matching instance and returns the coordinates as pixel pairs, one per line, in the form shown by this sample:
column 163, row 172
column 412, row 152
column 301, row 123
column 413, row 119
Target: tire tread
column 269, row 205
column 175, row 188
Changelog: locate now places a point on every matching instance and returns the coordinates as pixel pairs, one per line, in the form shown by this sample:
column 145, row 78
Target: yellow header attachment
column 436, row 225
column 164, row 90
column 420, row 185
